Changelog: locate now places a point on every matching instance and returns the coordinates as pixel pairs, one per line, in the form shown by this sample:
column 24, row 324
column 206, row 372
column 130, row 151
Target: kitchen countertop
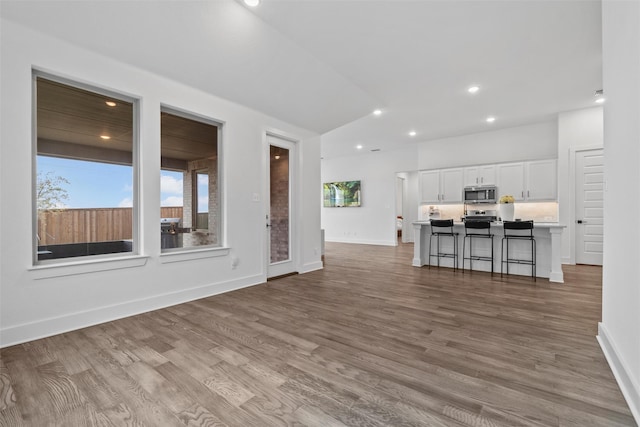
column 499, row 223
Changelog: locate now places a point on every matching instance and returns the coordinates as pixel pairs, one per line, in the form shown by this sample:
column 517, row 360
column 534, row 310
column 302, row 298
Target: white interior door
column 589, row 206
column 281, row 230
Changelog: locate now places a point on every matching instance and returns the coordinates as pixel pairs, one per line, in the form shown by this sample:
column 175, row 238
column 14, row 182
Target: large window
column 84, row 178
column 190, row 201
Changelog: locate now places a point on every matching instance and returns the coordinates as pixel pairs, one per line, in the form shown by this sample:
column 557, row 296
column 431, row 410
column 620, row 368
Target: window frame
column 212, row 250
column 196, row 197
column 135, row 162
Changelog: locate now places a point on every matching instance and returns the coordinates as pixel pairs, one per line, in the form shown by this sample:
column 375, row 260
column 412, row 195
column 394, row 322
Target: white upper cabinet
column 526, row 181
column 541, row 180
column 480, row 175
column 529, row 181
column 430, row 187
column 441, row 186
column 471, row 177
column 511, row 180
column 487, row 174
column 451, row 185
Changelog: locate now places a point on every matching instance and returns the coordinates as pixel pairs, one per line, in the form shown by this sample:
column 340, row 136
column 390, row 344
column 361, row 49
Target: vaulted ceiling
column 326, row 65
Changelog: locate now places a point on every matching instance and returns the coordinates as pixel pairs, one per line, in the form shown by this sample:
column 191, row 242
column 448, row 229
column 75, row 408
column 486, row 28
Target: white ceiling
column 326, row 65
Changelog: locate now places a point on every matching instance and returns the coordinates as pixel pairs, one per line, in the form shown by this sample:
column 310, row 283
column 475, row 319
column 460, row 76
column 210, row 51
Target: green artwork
column 341, row 194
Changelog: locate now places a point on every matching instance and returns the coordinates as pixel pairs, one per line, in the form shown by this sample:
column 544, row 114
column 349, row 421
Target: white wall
column 36, row 304
column 529, row 142
column 619, row 331
column 410, row 208
column 374, row 222
column 577, row 130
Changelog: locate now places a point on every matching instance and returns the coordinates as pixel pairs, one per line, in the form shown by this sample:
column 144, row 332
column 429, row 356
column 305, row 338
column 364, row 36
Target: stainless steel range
column 481, row 215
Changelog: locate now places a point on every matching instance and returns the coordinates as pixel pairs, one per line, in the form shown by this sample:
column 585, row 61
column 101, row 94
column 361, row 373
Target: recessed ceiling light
column 377, row 112
column 600, row 100
column 473, row 89
column 110, row 103
column 105, row 137
column 359, row 147
column 252, row 3
column 491, row 119
column 413, row 133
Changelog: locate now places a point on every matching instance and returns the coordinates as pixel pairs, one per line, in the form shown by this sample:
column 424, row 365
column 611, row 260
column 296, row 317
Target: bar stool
column 518, row 230
column 476, row 229
column 443, row 224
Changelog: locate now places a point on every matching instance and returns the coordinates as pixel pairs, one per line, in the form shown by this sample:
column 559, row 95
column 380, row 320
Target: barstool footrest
column 519, row 261
column 480, row 258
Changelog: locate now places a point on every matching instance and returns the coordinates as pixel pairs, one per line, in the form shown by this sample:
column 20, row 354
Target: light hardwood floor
column 368, row 341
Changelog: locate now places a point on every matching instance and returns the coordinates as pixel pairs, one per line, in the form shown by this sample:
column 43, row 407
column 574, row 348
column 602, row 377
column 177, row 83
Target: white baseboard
column 364, row 242
column 312, row 266
column 69, row 322
column 556, row 277
column 628, row 385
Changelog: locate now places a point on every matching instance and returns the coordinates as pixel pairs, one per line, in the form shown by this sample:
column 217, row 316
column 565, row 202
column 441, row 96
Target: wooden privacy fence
column 91, row 225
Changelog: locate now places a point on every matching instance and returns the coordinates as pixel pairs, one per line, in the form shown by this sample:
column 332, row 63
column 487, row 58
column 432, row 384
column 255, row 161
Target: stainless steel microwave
column 484, row 194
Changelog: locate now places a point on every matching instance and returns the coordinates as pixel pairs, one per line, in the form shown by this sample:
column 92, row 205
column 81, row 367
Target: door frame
column 294, row 204
column 571, row 227
column 400, row 197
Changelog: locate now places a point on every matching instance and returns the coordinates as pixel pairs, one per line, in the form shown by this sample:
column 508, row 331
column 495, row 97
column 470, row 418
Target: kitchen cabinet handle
column 527, row 193
column 523, row 194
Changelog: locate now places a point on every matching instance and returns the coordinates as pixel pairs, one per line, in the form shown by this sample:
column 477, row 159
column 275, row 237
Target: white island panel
column 548, row 250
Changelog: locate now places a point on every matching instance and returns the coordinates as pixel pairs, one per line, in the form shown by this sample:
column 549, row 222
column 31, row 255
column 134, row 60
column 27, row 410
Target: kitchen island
column 548, row 237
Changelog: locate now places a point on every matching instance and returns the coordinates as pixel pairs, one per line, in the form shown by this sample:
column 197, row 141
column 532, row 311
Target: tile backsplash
column 540, row 212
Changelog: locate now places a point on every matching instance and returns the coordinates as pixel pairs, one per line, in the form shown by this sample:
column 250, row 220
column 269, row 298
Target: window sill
column 192, row 254
column 71, row 268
